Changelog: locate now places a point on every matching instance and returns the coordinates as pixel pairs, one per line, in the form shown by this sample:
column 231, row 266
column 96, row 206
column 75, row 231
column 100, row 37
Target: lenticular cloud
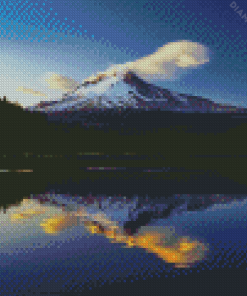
column 167, row 62
column 57, row 81
column 164, row 63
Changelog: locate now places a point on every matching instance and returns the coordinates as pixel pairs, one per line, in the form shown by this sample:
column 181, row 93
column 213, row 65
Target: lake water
column 50, row 262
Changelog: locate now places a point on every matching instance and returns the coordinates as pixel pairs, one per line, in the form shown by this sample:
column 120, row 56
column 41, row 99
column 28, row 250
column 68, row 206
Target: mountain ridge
column 147, row 97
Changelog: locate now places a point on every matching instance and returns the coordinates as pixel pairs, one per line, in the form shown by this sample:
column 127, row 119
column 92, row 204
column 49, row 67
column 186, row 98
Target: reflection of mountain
column 140, row 211
column 148, row 97
column 175, row 205
column 72, row 259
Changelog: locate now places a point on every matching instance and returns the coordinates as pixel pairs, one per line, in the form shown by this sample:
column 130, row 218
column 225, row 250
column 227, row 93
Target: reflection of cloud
column 26, row 214
column 163, row 242
column 58, row 81
column 179, row 250
column 53, row 221
column 27, row 210
column 58, row 223
column 30, row 91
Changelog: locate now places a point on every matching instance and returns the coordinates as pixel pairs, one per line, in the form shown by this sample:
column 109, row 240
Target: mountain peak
column 133, row 92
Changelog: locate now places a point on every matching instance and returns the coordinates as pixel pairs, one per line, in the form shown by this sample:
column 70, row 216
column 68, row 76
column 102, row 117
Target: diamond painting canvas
column 123, row 145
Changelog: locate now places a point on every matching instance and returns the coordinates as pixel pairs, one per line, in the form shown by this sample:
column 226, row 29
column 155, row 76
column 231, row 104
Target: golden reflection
column 22, row 213
column 183, row 253
column 26, row 215
column 58, row 223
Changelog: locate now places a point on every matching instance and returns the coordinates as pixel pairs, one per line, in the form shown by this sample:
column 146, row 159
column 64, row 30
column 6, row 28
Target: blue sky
column 75, row 39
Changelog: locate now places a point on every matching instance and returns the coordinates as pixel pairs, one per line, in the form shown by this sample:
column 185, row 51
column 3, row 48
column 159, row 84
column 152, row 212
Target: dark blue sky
column 77, row 38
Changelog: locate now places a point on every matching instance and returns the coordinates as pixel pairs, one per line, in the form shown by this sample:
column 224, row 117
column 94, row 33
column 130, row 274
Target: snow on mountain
column 131, row 213
column 132, row 92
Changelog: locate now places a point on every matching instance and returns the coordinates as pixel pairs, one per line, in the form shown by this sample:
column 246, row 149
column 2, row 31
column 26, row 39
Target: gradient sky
column 78, row 38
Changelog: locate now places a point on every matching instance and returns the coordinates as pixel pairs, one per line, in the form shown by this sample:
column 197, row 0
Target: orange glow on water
column 184, row 253
column 58, row 223
column 27, row 214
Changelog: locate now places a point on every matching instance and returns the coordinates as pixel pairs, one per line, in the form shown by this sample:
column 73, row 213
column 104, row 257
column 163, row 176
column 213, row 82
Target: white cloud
column 164, row 63
column 58, row 81
column 168, row 62
column 30, row 91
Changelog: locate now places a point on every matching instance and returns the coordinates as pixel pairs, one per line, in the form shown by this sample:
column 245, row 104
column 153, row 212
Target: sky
column 48, row 47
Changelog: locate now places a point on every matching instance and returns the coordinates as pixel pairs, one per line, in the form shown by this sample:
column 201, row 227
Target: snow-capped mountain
column 138, row 95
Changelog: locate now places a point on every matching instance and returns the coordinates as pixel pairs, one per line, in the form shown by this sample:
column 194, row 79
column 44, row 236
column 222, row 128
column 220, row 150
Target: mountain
column 132, row 213
column 198, row 149
column 144, row 96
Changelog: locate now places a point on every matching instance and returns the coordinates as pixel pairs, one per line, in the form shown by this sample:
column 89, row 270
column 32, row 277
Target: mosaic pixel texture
column 144, row 104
